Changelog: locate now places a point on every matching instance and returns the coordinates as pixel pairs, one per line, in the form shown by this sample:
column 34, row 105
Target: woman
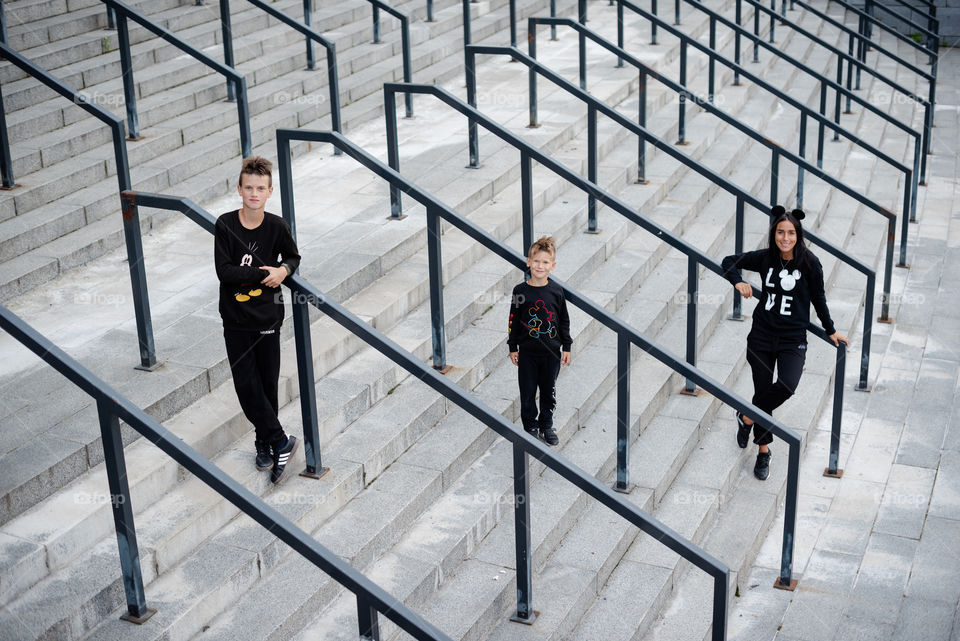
column 792, row 280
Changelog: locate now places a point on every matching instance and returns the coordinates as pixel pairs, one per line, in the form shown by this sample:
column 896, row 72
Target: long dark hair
column 777, row 215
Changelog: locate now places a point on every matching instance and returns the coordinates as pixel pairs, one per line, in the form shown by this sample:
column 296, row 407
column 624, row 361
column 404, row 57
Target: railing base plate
column 682, row 143
column 625, row 490
column 696, row 391
column 533, row 126
column 149, row 368
column 739, row 319
column 903, row 266
column 516, row 618
column 641, row 182
column 592, row 231
column 315, row 475
column 400, row 217
column 139, row 620
column 833, row 475
column 888, row 320
column 785, row 586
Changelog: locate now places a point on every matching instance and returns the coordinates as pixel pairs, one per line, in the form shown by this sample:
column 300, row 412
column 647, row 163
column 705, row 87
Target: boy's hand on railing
column 836, row 337
column 745, row 289
column 275, row 276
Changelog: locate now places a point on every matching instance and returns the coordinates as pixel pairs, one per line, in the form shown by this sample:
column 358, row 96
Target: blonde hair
column 544, row 244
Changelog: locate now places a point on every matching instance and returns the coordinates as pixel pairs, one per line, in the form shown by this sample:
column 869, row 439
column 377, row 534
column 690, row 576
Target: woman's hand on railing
column 745, row 289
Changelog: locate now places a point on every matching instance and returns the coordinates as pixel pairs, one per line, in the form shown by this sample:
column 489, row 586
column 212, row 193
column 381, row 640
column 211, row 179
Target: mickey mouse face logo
column 789, row 280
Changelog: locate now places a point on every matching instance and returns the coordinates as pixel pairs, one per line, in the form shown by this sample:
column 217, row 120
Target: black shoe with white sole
column 762, row 469
column 743, row 431
column 281, row 456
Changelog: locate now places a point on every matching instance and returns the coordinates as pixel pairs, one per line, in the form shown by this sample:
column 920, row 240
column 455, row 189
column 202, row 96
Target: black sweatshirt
column 239, row 252
column 788, row 290
column 538, row 319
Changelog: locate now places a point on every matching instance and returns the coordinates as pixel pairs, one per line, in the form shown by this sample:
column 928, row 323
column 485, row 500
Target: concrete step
column 165, row 148
column 335, row 285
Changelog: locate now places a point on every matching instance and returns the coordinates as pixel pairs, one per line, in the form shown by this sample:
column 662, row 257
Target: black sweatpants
column 763, row 353
column 255, row 364
column 537, row 371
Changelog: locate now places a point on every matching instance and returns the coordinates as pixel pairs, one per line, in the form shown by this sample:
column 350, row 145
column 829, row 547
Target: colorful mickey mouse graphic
column 541, row 321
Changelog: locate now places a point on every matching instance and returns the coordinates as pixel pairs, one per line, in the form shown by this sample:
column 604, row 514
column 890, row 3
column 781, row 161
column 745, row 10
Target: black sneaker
column 762, row 469
column 281, row 456
column 535, row 433
column 264, row 456
column 743, row 431
column 549, row 436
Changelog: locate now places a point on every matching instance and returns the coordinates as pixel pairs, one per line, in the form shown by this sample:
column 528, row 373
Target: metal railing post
column 821, row 127
column 838, row 379
column 682, row 98
column 111, row 18
column 737, row 313
column 227, row 45
column 368, row 620
column 435, row 267
column 531, row 74
column 623, row 413
column 867, row 333
column 6, row 160
column 582, row 59
column 905, row 218
column 376, row 24
column 393, row 152
column 693, row 278
column 774, row 176
column 473, row 137
column 641, row 140
column 773, row 22
column 711, row 62
column 243, row 115
column 756, row 36
column 653, row 26
column 301, row 327
column 619, row 31
column 333, row 80
column 526, row 200
column 888, row 271
column 407, row 63
column 738, row 18
column 113, row 459
column 836, row 107
column 786, row 581
column 430, row 11
column 916, row 179
column 676, row 12
column 129, row 86
column 3, row 26
column 513, row 22
column 553, row 14
column 721, row 586
column 802, row 152
column 592, row 225
column 582, row 11
column 308, row 20
column 521, row 526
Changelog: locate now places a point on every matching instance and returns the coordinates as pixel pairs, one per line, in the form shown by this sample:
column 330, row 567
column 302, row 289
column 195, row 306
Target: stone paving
column 878, row 551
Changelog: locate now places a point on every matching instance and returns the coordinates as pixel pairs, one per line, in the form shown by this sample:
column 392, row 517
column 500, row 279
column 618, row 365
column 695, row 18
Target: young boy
column 254, row 252
column 539, row 329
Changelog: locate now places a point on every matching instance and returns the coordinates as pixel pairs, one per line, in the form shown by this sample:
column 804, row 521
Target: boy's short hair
column 257, row 166
column 544, row 244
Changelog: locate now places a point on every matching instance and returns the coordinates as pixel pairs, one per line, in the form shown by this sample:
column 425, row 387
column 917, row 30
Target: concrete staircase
column 416, row 492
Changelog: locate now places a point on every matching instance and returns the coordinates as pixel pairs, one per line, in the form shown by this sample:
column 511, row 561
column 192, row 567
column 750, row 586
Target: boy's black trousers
column 537, row 371
column 255, row 364
column 763, row 353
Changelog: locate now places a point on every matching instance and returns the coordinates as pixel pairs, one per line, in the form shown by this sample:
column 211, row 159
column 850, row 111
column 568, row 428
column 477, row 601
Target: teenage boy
column 539, row 339
column 254, row 252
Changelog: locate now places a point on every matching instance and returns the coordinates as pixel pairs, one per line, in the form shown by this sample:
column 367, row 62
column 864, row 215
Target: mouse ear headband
column 778, row 210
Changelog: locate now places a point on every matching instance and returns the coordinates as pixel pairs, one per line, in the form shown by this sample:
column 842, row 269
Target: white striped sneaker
column 282, row 456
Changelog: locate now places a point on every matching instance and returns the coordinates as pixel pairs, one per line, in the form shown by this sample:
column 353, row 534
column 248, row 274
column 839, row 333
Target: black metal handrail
column 707, row 104
column 851, row 60
column 234, row 79
column 436, row 211
column 862, row 42
column 596, row 106
column 404, row 44
column 304, row 294
column 310, row 36
column 931, row 35
column 932, row 23
column 626, row 334
column 131, row 216
column 738, row 70
column 112, row 407
column 866, row 21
